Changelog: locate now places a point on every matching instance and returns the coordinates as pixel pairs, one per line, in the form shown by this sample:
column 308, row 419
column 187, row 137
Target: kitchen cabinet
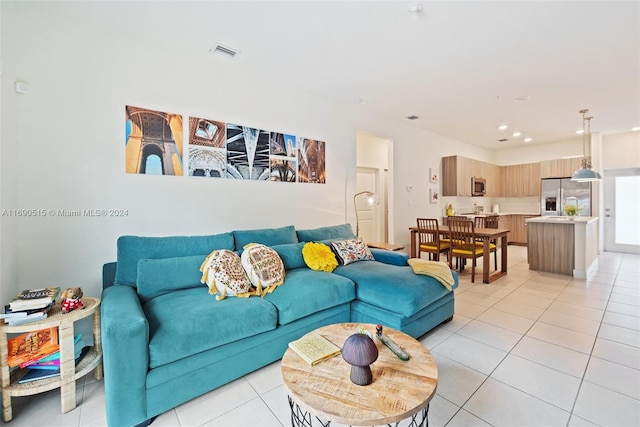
column 562, row 245
column 559, row 168
column 457, row 171
column 521, row 180
column 517, row 227
column 505, row 222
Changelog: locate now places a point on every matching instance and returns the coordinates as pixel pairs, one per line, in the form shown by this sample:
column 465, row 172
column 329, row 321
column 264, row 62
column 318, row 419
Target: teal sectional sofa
column 166, row 340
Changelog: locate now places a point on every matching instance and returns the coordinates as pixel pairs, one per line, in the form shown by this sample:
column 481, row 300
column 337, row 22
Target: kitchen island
column 562, row 244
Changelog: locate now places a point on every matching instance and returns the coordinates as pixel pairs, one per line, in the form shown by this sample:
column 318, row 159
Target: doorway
column 622, row 210
column 373, row 160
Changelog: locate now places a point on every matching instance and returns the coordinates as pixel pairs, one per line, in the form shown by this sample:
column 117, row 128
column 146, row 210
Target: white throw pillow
column 263, row 266
column 223, row 272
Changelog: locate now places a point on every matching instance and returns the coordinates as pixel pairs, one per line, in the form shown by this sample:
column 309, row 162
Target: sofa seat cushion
column 306, row 291
column 189, row 321
column 393, row 287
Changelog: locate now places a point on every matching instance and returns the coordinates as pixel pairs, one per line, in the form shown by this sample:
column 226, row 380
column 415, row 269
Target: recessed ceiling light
column 517, row 134
column 503, row 127
column 580, row 131
column 528, row 139
column 412, row 117
column 635, row 129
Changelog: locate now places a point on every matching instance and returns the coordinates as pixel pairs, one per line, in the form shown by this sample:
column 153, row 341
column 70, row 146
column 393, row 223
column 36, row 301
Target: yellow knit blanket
column 436, row 269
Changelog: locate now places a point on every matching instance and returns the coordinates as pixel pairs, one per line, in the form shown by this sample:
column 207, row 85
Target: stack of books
column 49, row 366
column 30, row 305
column 30, row 347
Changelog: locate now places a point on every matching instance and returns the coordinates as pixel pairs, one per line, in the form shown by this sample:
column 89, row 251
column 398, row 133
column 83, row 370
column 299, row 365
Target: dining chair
column 463, row 243
column 489, row 221
column 429, row 238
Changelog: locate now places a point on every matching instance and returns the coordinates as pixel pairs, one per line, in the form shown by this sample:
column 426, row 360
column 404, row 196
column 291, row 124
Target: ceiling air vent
column 225, row 51
column 412, row 117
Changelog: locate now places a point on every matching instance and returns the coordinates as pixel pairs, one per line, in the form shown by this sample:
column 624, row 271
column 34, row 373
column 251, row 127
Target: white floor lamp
column 372, row 200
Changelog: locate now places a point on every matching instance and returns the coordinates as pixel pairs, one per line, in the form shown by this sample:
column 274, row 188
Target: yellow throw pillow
column 263, row 266
column 319, row 257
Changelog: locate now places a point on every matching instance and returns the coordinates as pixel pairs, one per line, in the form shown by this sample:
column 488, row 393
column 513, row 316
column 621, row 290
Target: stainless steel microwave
column 478, row 186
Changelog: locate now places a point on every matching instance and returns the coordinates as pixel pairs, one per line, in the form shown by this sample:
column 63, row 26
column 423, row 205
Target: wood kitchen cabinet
column 456, row 176
column 457, row 171
column 505, row 222
column 518, row 235
column 559, row 168
column 517, row 228
column 521, row 180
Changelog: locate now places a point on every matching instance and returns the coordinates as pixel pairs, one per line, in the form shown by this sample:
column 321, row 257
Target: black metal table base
column 302, row 418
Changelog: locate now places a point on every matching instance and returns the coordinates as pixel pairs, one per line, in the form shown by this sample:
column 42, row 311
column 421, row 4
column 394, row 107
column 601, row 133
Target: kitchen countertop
column 562, row 219
column 500, row 214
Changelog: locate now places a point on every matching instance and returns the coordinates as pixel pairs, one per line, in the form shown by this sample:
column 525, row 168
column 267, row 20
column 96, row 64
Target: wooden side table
column 384, row 245
column 399, row 394
column 69, row 372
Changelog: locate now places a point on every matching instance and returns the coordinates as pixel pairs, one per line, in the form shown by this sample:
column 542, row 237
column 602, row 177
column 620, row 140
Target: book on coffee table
column 314, row 348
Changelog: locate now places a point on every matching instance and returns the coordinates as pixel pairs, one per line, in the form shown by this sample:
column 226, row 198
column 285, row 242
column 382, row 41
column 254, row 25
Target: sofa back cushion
column 265, row 236
column 132, row 249
column 291, row 255
column 163, row 275
column 331, row 232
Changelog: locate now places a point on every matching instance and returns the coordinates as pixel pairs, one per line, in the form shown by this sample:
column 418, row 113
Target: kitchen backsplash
column 527, row 205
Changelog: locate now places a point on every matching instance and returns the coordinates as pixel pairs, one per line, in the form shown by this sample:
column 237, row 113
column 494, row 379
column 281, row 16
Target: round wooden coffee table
column 400, row 389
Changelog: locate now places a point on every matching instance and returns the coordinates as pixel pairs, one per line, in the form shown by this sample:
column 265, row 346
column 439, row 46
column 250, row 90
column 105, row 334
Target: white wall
column 63, row 148
column 621, row 151
column 536, row 152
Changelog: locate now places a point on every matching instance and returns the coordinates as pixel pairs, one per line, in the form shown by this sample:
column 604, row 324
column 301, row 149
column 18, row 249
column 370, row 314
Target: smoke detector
column 415, row 9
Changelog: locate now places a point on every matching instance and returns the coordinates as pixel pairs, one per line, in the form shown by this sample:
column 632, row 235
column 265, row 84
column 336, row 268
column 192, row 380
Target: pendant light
column 585, row 173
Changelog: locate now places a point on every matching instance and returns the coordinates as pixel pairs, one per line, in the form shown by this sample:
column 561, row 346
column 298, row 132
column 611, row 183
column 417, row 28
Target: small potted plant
column 571, row 209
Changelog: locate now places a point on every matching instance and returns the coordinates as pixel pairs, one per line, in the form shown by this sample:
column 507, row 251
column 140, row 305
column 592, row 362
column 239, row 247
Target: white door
column 622, row 210
column 367, row 216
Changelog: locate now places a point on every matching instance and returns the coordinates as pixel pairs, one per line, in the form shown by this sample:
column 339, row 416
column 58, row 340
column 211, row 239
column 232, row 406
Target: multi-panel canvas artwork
column 153, row 141
column 219, row 149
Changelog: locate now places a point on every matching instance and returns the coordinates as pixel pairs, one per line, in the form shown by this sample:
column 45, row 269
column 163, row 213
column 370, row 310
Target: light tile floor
column 531, row 349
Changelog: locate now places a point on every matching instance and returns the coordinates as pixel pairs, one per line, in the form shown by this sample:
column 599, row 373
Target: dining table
column 486, row 235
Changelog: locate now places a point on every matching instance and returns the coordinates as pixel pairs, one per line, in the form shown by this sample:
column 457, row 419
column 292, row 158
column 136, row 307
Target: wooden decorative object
column 360, row 351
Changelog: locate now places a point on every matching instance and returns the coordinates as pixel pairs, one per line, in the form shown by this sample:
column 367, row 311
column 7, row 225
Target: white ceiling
column 458, row 65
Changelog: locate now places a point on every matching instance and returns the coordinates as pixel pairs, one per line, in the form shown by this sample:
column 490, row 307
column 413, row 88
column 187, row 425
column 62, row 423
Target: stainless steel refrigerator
column 555, row 191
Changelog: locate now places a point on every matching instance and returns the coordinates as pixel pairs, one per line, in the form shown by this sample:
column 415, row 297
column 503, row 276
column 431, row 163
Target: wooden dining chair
column 489, row 221
column 463, row 244
column 429, row 238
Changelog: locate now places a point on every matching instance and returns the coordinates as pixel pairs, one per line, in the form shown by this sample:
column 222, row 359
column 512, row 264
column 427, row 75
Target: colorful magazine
column 30, row 347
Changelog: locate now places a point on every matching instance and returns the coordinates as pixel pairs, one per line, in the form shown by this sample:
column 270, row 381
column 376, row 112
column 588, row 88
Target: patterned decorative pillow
column 222, row 271
column 263, row 266
column 319, row 257
column 351, row 250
